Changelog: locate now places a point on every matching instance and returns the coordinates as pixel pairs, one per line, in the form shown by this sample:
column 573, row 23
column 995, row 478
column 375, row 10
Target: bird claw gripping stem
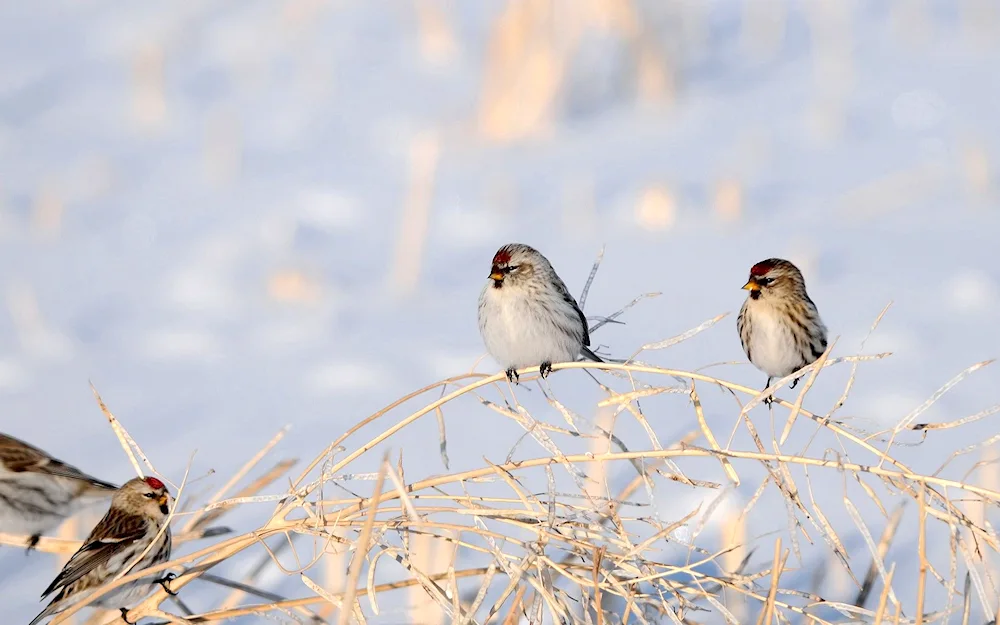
column 512, row 375
column 770, row 398
column 545, row 369
column 124, row 612
column 163, row 581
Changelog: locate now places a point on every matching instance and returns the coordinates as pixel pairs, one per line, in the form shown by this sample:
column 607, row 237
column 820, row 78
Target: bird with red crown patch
column 779, row 325
column 116, row 545
column 527, row 316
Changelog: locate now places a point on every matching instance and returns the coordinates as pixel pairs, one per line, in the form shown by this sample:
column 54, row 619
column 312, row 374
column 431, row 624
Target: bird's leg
column 124, row 612
column 33, row 542
column 545, row 369
column 512, row 375
column 794, row 382
column 769, row 398
column 163, row 581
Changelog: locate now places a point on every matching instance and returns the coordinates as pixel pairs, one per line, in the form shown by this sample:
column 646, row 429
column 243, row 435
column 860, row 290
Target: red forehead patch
column 502, row 257
column 153, row 482
column 761, row 268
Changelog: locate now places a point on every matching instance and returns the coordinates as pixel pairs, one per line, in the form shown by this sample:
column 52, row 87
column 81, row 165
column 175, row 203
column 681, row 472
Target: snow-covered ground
column 201, row 209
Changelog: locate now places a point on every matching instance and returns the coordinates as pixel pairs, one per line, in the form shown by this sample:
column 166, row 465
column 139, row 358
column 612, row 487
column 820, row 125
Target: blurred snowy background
column 232, row 216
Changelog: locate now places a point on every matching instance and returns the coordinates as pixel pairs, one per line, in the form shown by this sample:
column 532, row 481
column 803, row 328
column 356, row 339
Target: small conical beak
column 751, row 285
column 162, row 500
column 496, row 275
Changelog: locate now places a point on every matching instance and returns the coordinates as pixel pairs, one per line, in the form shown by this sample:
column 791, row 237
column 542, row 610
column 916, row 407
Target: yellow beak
column 496, row 275
column 162, row 500
column 751, row 285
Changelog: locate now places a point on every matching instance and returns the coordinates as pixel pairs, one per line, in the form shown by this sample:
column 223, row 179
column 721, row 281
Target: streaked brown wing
column 166, row 546
column 19, row 456
column 571, row 301
column 115, row 533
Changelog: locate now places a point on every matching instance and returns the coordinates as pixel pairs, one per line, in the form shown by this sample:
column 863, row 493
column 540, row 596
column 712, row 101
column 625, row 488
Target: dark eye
column 149, row 495
column 765, row 281
column 510, row 268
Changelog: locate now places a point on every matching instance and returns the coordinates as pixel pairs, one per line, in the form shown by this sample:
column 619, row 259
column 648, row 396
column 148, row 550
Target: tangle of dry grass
column 532, row 539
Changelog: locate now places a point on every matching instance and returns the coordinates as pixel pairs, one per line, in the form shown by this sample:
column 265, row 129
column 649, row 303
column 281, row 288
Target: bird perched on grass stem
column 138, row 512
column 779, row 324
column 37, row 492
column 527, row 317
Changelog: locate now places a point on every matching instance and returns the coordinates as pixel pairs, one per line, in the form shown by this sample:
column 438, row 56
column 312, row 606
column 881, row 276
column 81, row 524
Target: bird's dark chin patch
column 754, row 294
column 497, row 284
column 164, row 509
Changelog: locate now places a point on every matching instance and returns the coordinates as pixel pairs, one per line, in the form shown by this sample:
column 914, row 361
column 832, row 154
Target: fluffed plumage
column 138, row 511
column 779, row 324
column 527, row 317
column 37, row 491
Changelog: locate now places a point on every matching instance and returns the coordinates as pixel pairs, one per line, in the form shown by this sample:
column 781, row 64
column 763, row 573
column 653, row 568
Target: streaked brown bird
column 37, row 492
column 138, row 512
column 779, row 324
column 527, row 316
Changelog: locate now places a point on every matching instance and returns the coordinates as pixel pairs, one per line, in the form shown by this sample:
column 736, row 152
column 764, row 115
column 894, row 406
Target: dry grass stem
column 127, row 443
column 922, row 555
